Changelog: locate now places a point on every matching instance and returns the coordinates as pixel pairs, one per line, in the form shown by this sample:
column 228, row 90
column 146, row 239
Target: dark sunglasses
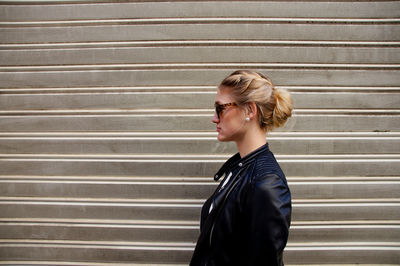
column 219, row 108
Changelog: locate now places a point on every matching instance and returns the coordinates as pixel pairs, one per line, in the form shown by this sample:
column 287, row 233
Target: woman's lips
column 218, row 129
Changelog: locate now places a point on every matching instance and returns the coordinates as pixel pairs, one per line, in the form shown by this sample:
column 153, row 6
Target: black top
column 246, row 220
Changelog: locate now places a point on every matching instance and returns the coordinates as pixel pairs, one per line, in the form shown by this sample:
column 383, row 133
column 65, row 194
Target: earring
column 247, row 119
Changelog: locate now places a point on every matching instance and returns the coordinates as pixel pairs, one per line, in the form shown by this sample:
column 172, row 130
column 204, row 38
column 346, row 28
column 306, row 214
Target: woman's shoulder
column 267, row 168
column 268, row 181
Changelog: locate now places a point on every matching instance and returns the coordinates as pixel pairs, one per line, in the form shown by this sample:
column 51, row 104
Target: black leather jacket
column 248, row 223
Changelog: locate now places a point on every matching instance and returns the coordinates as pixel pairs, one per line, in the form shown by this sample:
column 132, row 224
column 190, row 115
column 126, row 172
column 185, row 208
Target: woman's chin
column 221, row 137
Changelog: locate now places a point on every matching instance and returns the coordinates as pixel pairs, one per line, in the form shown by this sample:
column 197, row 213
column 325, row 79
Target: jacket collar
column 237, row 161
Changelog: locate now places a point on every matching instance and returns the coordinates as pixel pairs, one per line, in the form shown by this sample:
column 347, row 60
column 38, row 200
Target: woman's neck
column 252, row 140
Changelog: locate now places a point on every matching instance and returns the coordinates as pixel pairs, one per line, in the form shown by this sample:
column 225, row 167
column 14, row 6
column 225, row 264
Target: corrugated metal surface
column 107, row 147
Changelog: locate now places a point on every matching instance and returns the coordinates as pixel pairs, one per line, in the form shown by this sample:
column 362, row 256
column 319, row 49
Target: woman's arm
column 266, row 220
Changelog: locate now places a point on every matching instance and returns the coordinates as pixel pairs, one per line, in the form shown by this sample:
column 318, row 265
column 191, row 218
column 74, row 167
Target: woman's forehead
column 223, row 95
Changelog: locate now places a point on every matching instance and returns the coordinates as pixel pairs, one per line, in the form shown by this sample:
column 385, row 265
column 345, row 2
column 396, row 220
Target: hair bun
column 283, row 107
column 274, row 105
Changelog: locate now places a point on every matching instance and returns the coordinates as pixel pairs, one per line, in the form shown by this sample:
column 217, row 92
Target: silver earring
column 247, row 119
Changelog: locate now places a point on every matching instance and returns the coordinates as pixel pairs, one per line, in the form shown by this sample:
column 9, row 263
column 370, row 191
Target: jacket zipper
column 223, row 203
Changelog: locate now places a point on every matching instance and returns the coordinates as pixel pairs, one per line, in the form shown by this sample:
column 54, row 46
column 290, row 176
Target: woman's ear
column 251, row 110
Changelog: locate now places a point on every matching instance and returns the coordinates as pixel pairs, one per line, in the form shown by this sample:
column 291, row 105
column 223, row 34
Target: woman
column 246, row 221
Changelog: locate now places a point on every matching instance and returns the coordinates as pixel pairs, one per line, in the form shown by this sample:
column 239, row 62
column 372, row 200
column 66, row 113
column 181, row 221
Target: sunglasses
column 219, row 108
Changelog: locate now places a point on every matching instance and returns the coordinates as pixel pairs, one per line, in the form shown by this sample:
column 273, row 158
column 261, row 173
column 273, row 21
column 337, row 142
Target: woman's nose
column 215, row 119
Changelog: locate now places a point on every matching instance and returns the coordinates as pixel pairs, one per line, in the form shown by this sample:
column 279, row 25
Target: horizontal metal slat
column 81, row 9
column 316, row 210
column 315, row 232
column 274, row 31
column 190, row 122
column 196, row 54
column 352, row 252
column 53, row 10
column 76, row 263
column 185, row 188
column 106, row 252
column 196, row 77
column 183, row 66
column 201, row 43
column 198, row 20
column 184, row 99
column 154, row 112
column 200, row 89
column 197, row 168
column 186, row 144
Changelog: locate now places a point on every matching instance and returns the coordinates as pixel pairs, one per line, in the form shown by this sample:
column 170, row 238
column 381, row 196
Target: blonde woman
column 246, row 220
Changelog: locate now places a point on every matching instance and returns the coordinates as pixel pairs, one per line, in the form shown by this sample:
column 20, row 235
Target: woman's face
column 231, row 121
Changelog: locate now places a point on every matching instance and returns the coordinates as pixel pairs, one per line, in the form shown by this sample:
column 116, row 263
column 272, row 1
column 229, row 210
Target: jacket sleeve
column 266, row 218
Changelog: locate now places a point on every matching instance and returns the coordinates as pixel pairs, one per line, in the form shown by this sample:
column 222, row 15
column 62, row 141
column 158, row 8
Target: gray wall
column 107, row 149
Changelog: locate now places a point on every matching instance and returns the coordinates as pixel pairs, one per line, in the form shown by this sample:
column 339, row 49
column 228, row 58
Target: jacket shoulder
column 267, row 168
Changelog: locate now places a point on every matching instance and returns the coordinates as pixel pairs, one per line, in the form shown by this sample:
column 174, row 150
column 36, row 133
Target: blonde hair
column 274, row 106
